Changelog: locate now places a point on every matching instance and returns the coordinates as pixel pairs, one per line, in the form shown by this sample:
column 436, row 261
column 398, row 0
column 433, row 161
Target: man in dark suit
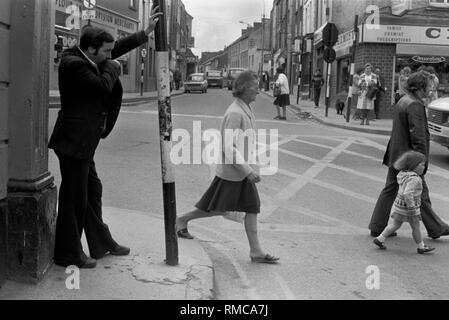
column 410, row 132
column 91, row 96
column 381, row 88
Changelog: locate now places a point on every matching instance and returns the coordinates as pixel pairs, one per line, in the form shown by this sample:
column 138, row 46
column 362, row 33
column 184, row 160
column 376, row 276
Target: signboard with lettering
column 88, row 14
column 73, row 10
column 436, row 36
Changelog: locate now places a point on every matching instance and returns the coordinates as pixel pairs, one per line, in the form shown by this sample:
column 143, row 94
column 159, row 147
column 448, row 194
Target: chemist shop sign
column 436, row 36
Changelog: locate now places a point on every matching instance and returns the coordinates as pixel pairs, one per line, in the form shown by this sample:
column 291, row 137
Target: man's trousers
column 79, row 209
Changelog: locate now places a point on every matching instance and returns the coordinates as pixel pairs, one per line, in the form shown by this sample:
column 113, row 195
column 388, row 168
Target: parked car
column 195, row 82
column 232, row 75
column 214, row 78
column 438, row 119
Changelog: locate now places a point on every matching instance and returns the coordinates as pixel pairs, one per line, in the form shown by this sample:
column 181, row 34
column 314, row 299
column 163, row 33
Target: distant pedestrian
column 406, row 207
column 381, row 89
column 356, row 93
column 402, row 82
column 266, row 81
column 367, row 84
column 234, row 186
column 410, row 132
column 317, row 84
column 434, row 84
column 282, row 101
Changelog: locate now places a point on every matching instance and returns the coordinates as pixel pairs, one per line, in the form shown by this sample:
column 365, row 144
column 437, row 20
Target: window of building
column 343, row 75
column 439, row 3
column 133, row 4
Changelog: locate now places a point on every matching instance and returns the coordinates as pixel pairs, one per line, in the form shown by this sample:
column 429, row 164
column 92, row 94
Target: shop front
column 415, row 46
column 69, row 22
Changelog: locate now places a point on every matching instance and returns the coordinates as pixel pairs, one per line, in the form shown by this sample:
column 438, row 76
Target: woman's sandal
column 268, row 258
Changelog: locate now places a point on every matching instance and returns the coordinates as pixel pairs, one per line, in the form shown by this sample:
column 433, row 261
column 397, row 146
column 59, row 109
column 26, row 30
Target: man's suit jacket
column 410, row 130
column 91, row 98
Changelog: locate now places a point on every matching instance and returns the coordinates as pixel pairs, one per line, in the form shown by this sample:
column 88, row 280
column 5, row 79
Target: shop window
column 413, row 62
column 343, row 75
column 439, row 3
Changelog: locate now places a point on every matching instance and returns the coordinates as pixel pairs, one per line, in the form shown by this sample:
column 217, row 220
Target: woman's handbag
column 276, row 91
column 372, row 91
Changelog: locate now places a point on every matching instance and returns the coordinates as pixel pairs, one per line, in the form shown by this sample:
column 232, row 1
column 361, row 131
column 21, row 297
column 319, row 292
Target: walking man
column 91, row 96
column 317, row 83
column 410, row 133
column 381, row 89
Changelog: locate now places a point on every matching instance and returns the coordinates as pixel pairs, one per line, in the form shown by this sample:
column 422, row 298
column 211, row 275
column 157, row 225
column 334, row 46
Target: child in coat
column 406, row 207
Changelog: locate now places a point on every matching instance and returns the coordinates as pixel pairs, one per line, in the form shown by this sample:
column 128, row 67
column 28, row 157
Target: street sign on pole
column 143, row 53
column 89, row 4
column 88, row 14
column 330, row 35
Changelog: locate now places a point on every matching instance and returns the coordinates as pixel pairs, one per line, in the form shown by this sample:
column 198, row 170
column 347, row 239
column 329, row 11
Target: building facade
column 252, row 49
column 119, row 17
column 181, row 39
column 409, row 33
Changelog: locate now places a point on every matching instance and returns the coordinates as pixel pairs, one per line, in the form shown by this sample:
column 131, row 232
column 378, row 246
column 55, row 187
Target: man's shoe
column 120, row 251
column 88, row 264
column 424, row 250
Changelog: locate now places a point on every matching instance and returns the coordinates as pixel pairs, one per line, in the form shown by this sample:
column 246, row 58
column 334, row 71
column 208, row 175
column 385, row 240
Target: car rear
column 195, row 82
column 214, row 79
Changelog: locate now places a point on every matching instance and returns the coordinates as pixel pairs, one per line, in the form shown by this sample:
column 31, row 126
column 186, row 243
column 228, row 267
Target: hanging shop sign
column 429, row 60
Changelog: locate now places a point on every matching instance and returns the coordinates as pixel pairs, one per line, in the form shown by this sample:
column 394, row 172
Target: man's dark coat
column 410, row 130
column 91, row 98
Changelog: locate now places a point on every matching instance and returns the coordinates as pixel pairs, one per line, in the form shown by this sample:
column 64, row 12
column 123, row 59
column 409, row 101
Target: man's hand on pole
column 153, row 20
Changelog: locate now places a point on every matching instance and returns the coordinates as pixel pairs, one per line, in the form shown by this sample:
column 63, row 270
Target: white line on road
column 290, row 190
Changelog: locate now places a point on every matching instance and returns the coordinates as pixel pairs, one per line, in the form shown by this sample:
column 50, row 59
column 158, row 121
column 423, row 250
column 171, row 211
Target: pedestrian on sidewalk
column 406, row 206
column 367, row 85
column 380, row 90
column 356, row 93
column 317, row 84
column 410, row 133
column 234, row 186
column 402, row 82
column 434, row 84
column 91, row 96
column 282, row 101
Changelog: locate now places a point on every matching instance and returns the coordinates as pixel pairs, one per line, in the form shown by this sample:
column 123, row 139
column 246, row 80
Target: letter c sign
column 433, row 33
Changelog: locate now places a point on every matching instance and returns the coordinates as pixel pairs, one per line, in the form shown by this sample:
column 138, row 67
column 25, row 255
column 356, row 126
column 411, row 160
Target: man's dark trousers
column 316, row 96
column 433, row 224
column 80, row 206
column 376, row 106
